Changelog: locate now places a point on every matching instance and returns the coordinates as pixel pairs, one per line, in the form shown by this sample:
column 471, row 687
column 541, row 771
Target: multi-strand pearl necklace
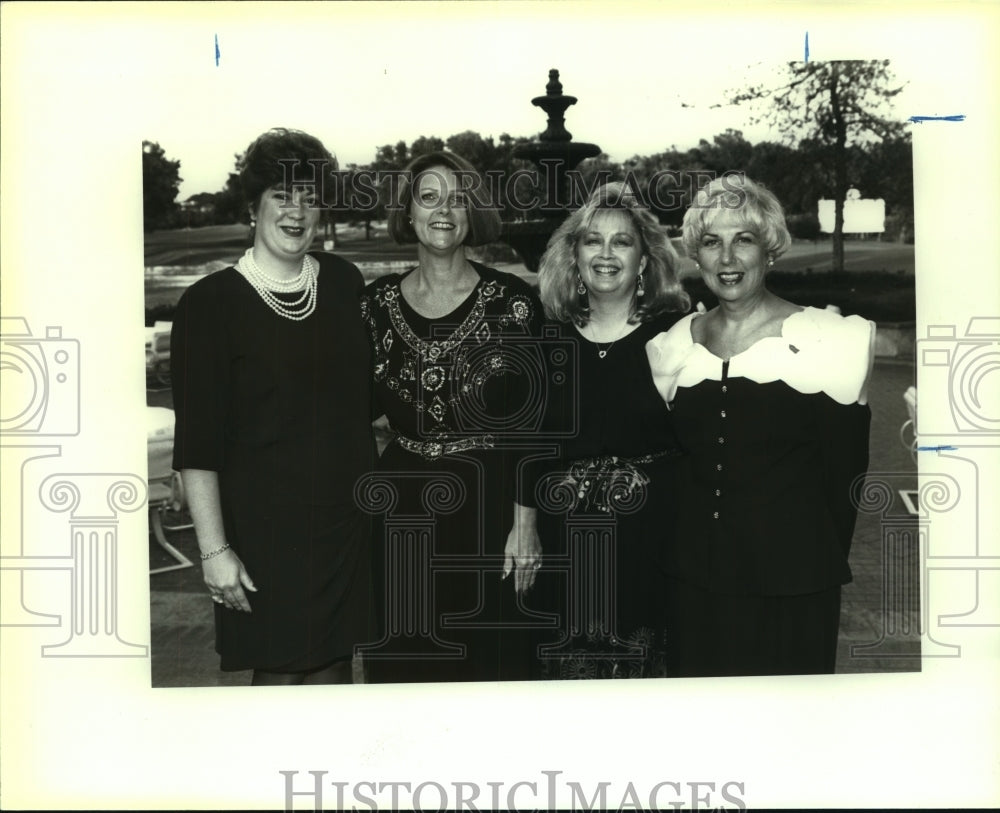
column 266, row 286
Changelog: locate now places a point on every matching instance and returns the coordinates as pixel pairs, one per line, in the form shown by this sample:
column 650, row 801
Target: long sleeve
column 845, row 455
column 558, row 394
column 526, row 393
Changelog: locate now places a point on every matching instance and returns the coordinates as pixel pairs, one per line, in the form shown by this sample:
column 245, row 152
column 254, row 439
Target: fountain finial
column 555, row 154
column 554, row 102
column 554, row 87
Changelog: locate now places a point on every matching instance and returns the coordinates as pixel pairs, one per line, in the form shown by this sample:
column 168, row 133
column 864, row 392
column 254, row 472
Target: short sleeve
column 200, row 378
column 831, row 353
column 668, row 354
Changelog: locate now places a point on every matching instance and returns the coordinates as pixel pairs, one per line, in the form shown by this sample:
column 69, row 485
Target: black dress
column 281, row 410
column 775, row 437
column 605, row 510
column 461, row 392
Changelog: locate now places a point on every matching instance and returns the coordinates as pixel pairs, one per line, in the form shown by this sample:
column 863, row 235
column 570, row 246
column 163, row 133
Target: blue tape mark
column 218, row 53
column 919, row 119
column 807, row 46
column 937, row 448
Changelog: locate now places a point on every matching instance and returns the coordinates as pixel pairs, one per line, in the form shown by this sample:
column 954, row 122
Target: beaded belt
column 431, row 449
column 600, row 482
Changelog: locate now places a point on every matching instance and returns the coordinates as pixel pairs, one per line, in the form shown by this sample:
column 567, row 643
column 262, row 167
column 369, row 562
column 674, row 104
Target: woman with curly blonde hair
column 657, row 288
column 609, row 281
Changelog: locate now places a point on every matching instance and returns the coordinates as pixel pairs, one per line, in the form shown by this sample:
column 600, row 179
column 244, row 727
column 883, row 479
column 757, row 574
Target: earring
column 639, row 289
column 253, row 223
column 770, row 263
column 581, row 289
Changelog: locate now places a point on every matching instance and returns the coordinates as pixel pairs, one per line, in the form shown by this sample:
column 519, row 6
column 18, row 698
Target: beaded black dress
column 460, row 394
column 281, row 410
column 605, row 512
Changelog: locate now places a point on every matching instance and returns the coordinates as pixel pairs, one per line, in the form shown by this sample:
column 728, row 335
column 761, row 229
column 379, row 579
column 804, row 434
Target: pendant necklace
column 602, row 353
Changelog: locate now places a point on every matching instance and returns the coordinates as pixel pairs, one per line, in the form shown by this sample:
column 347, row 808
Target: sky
column 645, row 81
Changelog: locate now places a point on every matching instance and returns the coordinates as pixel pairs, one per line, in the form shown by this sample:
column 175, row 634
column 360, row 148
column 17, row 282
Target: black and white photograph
column 545, row 380
column 529, row 429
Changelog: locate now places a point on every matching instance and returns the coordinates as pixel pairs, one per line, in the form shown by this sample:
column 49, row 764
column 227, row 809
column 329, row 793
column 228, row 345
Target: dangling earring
column 639, row 289
column 253, row 224
column 770, row 263
column 581, row 289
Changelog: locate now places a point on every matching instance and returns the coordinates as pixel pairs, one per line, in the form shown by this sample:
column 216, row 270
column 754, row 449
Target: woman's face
column 732, row 257
column 609, row 255
column 439, row 210
column 286, row 223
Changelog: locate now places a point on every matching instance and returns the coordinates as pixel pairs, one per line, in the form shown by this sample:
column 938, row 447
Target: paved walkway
column 182, row 622
column 870, row 613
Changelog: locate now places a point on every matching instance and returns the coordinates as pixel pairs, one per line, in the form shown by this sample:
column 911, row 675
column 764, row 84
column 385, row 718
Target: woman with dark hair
column 768, row 400
column 447, row 338
column 609, row 280
column 271, row 389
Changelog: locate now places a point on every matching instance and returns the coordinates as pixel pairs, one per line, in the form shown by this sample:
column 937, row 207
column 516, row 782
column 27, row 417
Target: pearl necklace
column 265, row 285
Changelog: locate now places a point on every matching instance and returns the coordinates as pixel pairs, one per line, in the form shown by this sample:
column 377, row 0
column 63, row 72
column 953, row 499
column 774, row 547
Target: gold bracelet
column 215, row 552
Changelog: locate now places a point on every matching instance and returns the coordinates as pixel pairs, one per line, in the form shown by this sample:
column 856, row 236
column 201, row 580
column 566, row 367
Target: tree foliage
column 878, row 161
column 160, row 182
column 834, row 104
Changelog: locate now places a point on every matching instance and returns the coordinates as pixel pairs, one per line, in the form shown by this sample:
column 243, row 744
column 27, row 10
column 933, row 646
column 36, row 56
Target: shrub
column 804, row 226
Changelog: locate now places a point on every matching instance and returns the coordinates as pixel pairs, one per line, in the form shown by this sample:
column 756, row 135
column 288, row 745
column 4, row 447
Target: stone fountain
column 554, row 154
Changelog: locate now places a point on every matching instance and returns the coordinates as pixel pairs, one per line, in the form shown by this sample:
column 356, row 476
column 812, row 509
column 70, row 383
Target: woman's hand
column 523, row 552
column 226, row 577
column 383, row 432
column 223, row 572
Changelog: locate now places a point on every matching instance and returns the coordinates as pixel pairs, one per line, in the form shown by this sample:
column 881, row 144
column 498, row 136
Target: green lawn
column 195, row 247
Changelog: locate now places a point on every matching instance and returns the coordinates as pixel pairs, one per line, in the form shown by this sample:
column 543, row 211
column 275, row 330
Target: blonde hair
column 760, row 210
column 557, row 277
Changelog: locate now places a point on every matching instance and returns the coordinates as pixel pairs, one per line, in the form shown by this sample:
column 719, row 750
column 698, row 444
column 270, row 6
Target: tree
column 425, row 145
column 160, row 183
column 887, row 171
column 229, row 204
column 835, row 103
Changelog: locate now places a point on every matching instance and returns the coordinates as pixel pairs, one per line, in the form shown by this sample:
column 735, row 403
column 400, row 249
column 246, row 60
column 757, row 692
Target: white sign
column 860, row 216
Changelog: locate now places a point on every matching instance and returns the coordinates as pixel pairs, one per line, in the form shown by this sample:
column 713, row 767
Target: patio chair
column 158, row 354
column 166, row 491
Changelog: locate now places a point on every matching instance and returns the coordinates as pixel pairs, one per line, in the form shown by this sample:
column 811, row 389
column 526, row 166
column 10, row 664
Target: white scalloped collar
column 817, row 351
